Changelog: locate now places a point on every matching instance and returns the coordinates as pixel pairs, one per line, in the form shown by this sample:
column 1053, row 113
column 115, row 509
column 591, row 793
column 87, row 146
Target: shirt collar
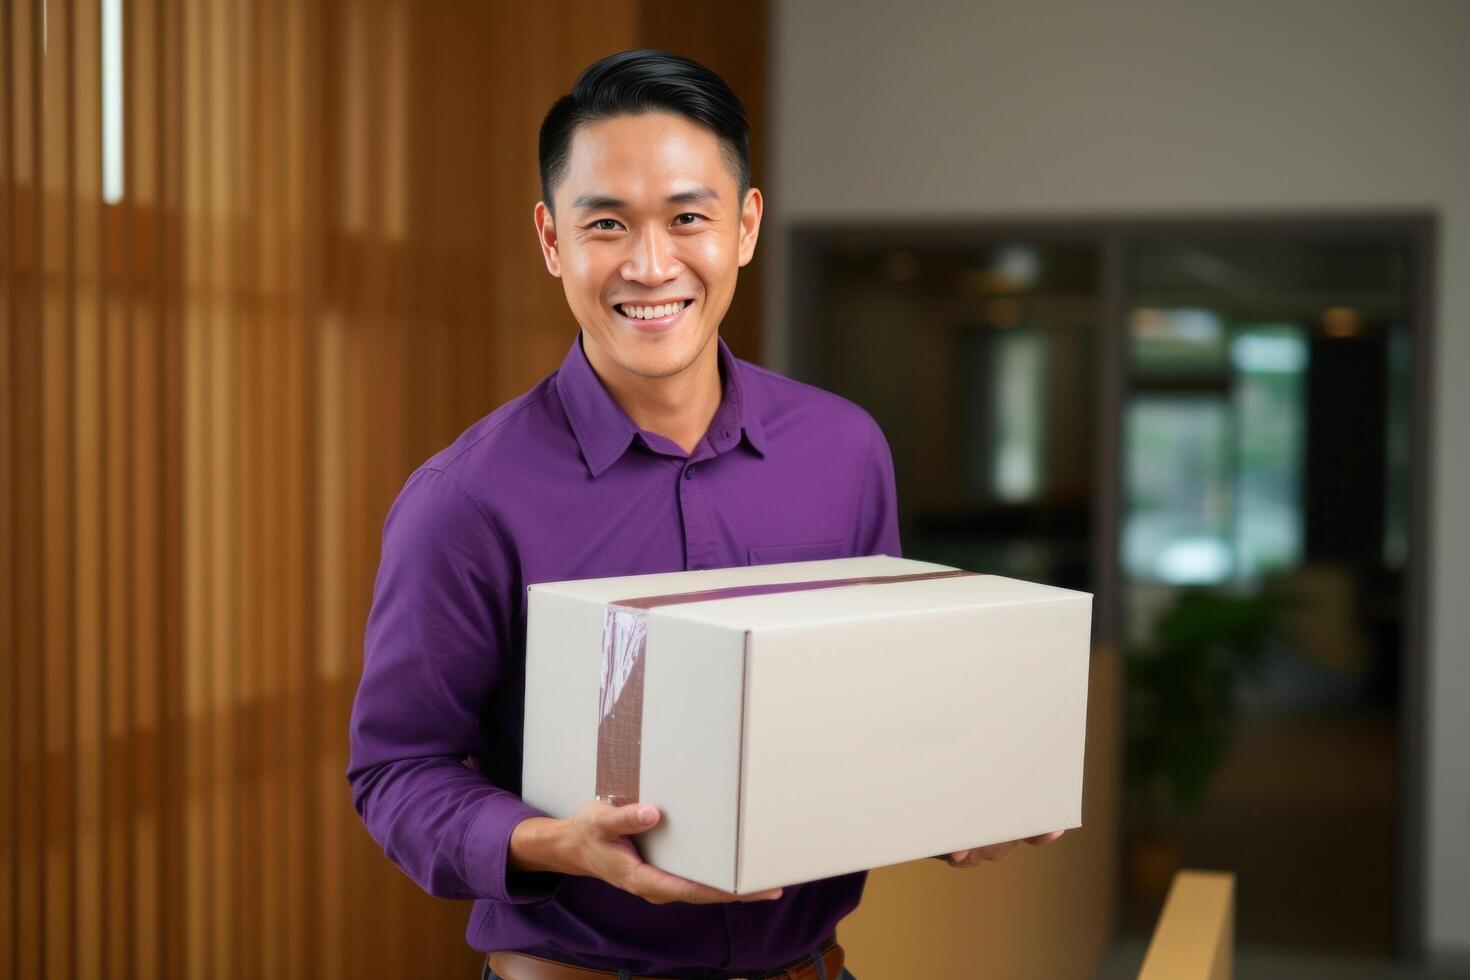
column 604, row 431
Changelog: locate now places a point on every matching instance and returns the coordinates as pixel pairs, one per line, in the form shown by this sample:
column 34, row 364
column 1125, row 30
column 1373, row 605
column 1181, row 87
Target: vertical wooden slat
column 116, row 653
column 201, row 814
column 55, row 282
column 253, row 956
column 143, row 197
column 330, row 669
column 25, row 53
column 302, row 897
column 11, row 843
column 119, row 912
column 352, row 303
column 172, row 666
column 87, row 556
column 270, row 301
column 337, row 954
column 225, row 643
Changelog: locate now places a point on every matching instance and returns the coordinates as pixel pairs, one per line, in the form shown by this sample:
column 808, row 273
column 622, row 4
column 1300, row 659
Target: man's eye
column 687, row 214
column 605, row 224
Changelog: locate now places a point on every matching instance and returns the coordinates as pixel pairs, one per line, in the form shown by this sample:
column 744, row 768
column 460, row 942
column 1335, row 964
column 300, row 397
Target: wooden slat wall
column 321, row 269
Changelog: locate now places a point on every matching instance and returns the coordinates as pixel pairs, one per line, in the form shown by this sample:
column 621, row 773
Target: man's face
column 648, row 215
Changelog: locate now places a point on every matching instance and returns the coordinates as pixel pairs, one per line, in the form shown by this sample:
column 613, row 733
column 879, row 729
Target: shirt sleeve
column 437, row 642
column 878, row 506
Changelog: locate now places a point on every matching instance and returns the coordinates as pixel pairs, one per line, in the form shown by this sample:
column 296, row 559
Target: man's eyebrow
column 599, row 202
column 699, row 195
column 596, row 202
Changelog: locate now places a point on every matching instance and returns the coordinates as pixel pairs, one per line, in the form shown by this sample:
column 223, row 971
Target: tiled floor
column 1304, row 813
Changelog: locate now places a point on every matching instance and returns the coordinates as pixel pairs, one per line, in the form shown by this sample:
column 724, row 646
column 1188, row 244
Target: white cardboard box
column 794, row 736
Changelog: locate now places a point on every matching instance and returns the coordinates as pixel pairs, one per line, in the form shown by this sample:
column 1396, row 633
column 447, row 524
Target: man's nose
column 653, row 260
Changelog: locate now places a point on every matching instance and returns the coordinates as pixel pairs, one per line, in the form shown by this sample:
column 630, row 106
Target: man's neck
column 678, row 407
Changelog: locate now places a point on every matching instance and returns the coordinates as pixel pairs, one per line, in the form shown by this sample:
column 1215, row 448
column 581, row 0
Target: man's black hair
column 635, row 82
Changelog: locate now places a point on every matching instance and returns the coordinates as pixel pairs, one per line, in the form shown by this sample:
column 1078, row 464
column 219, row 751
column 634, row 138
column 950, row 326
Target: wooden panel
column 56, row 324
column 24, row 479
column 88, row 421
column 1194, row 939
column 10, row 672
column 321, row 269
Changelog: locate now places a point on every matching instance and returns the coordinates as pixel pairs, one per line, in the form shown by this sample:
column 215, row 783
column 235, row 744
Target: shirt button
column 689, row 472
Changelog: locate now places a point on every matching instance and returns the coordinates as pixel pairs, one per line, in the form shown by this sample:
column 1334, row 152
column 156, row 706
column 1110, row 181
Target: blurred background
column 1159, row 301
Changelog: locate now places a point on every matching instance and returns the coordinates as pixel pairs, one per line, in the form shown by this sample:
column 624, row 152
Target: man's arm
column 437, row 643
column 878, row 500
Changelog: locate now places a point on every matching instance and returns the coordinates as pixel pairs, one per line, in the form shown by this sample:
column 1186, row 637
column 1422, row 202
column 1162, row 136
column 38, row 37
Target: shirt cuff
column 486, row 855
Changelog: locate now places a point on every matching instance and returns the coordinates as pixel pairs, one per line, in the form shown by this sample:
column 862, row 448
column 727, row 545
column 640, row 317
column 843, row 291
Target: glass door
column 980, row 363
column 1263, row 549
column 1215, row 427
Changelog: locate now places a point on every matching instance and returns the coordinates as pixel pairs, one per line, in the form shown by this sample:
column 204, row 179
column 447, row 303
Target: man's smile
column 653, row 316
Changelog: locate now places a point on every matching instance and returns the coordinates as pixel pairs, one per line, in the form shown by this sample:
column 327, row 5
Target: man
column 651, row 449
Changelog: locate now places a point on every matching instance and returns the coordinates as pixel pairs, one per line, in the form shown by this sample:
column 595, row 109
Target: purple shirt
column 561, row 484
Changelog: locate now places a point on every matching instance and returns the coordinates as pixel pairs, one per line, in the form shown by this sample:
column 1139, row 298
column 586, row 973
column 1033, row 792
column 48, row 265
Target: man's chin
column 659, row 367
column 659, row 356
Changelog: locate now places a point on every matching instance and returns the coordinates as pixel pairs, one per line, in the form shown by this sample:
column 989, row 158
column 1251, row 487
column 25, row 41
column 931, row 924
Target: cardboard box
column 822, row 729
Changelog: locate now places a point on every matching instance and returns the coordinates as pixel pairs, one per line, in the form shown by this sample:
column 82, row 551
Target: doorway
column 1219, row 428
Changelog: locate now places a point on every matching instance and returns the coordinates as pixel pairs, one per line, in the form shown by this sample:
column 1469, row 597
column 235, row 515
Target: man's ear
column 546, row 235
column 750, row 224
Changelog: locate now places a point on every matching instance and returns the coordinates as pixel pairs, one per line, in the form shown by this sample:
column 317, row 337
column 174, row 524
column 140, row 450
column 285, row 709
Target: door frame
column 1114, row 237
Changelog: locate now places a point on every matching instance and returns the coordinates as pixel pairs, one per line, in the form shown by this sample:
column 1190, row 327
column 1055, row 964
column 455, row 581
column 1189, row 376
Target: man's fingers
column 632, row 818
column 770, row 894
column 621, row 865
column 607, row 851
column 979, row 855
column 993, row 852
column 659, row 886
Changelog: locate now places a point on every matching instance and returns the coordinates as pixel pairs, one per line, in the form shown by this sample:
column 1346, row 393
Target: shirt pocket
column 775, row 554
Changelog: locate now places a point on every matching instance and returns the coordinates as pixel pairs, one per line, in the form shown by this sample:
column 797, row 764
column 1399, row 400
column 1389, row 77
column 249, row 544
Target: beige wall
column 956, row 109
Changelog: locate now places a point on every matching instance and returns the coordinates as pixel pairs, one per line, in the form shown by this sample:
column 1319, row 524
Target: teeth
column 653, row 312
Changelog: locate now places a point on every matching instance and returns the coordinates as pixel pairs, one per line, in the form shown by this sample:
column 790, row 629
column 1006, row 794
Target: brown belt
column 523, row 966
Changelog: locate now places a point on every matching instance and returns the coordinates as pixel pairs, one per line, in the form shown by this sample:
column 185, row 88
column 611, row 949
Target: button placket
column 699, row 550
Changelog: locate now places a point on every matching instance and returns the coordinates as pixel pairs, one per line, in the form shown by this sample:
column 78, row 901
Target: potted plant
column 1180, row 701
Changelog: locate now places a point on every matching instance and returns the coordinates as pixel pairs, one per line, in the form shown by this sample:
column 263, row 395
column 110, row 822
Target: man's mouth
column 654, row 312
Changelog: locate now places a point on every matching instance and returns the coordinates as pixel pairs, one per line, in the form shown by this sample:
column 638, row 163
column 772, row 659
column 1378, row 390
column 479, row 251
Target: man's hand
column 993, row 852
column 596, row 841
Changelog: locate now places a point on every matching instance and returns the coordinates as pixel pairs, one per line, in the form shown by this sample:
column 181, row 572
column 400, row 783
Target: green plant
column 1180, row 695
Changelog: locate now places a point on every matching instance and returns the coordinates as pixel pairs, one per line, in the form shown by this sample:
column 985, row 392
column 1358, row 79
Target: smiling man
column 650, row 449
